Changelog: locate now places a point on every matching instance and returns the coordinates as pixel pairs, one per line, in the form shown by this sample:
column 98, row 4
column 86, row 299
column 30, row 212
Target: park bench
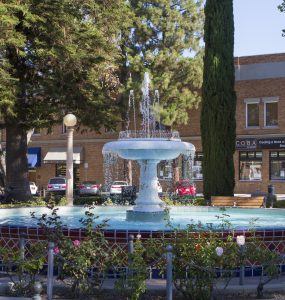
column 251, row 202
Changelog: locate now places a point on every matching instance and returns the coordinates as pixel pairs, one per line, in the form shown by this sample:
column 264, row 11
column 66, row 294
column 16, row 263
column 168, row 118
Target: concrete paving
column 276, row 285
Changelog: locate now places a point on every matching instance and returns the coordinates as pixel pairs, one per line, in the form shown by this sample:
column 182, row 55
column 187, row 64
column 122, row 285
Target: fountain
column 148, row 147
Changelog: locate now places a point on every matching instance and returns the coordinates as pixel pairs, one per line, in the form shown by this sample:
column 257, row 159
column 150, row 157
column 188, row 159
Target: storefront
column 261, row 160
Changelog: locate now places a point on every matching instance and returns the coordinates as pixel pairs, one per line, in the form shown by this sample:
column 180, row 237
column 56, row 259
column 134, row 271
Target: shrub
column 280, row 204
column 92, row 200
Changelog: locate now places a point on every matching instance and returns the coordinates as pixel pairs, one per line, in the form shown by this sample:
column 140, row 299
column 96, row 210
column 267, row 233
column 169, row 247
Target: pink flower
column 76, row 243
column 56, row 250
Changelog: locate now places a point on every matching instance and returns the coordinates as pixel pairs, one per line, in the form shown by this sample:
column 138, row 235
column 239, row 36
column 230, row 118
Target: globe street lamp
column 69, row 121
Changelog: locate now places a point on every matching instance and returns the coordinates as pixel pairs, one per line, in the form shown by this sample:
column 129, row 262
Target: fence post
column 22, row 246
column 169, row 268
column 241, row 276
column 50, row 270
column 130, row 248
column 37, row 288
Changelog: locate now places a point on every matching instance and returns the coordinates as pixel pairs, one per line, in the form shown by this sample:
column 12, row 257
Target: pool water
column 179, row 217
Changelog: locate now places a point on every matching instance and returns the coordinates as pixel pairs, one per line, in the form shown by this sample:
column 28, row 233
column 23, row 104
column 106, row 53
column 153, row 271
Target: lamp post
column 240, row 239
column 69, row 121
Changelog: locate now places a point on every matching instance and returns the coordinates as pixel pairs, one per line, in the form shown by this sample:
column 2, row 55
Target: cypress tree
column 218, row 122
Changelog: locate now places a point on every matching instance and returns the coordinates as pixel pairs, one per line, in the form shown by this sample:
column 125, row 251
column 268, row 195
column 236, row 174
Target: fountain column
column 148, row 199
column 148, row 207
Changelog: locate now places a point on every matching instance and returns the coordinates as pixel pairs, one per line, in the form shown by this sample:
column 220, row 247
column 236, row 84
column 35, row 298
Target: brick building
column 260, row 144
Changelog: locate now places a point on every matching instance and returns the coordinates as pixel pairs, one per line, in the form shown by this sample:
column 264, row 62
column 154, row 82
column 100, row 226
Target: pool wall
column 10, row 236
column 272, row 238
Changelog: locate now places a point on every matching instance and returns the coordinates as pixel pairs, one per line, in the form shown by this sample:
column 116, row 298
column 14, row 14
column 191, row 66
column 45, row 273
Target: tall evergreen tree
column 164, row 40
column 55, row 56
column 218, row 123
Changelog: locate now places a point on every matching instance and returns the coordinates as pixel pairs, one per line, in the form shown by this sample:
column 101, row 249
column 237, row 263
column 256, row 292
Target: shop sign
column 246, row 144
column 270, row 143
column 275, row 143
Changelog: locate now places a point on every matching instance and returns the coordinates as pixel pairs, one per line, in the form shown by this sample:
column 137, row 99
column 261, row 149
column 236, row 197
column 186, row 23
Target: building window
column 60, row 171
column 197, row 166
column 164, row 169
column 252, row 112
column 270, row 111
column 250, row 165
column 63, row 128
column 277, row 165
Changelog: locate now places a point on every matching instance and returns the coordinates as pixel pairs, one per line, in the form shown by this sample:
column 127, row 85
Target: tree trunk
column 17, row 163
column 2, row 168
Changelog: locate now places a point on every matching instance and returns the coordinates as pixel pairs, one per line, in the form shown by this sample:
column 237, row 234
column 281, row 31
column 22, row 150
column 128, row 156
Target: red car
column 185, row 187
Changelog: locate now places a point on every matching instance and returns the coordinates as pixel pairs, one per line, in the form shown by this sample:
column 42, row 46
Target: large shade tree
column 218, row 122
column 55, row 56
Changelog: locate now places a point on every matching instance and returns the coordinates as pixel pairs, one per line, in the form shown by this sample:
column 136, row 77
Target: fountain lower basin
column 179, row 217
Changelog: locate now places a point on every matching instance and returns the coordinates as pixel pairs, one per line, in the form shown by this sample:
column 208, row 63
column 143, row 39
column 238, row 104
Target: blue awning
column 34, row 157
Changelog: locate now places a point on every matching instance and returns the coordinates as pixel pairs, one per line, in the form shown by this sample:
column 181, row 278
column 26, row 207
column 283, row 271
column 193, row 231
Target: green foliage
column 195, row 260
column 133, row 283
column 218, row 123
column 56, row 56
column 265, row 258
column 164, row 39
column 280, row 204
column 200, row 202
column 184, row 200
column 92, row 200
column 37, row 201
column 23, row 272
column 77, row 259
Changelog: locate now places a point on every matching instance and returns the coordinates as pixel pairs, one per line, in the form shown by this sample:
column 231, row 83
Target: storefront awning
column 34, row 157
column 58, row 155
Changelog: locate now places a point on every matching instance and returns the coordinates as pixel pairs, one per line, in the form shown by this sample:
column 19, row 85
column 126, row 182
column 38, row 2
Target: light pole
column 69, row 121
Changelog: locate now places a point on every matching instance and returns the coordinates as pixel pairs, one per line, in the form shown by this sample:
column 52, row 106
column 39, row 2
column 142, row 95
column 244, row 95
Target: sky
column 258, row 27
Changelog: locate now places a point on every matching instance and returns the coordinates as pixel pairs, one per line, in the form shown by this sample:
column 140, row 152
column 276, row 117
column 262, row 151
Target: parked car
column 57, row 185
column 33, row 188
column 185, row 187
column 116, row 187
column 89, row 188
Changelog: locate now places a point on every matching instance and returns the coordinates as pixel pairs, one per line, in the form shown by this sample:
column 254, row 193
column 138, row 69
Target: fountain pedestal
column 148, row 207
column 148, row 152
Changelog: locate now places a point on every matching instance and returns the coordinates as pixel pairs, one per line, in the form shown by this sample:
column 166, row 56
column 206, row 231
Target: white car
column 33, row 188
column 116, row 187
column 57, row 185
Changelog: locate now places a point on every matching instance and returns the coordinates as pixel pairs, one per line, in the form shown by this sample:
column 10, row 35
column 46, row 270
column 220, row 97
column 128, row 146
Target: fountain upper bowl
column 149, row 148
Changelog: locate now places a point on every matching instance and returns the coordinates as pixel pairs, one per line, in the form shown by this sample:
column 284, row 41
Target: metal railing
column 159, row 134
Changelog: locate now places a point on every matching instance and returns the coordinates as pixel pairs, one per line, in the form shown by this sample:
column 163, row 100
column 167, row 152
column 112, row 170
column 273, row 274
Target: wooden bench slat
column 255, row 202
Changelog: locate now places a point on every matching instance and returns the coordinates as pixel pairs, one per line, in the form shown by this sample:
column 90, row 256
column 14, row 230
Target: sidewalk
column 276, row 285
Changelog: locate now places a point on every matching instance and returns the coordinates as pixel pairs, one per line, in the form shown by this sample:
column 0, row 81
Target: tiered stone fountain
column 148, row 147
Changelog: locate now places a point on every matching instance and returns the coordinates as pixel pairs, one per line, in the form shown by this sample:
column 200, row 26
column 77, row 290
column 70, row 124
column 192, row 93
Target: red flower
column 56, row 250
